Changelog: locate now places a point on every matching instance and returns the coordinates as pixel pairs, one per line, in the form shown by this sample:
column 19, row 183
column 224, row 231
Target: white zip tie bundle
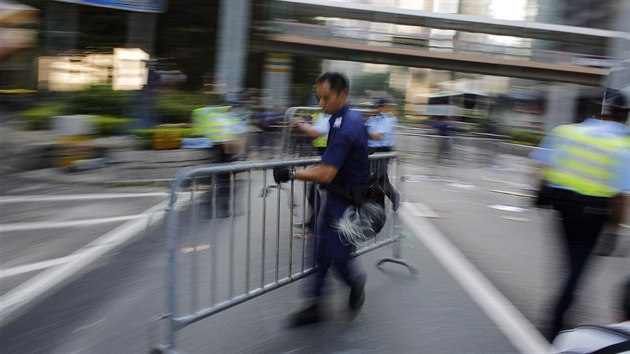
column 357, row 225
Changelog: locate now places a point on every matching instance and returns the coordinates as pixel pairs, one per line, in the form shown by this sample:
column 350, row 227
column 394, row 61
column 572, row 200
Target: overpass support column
column 141, row 28
column 561, row 104
column 62, row 26
column 232, row 44
column 277, row 79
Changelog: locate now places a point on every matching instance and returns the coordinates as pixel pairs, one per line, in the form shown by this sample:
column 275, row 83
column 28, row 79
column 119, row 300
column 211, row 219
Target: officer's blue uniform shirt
column 382, row 123
column 347, row 148
column 547, row 150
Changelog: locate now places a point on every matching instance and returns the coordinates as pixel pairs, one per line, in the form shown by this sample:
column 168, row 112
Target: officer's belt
column 356, row 195
column 565, row 196
column 379, row 149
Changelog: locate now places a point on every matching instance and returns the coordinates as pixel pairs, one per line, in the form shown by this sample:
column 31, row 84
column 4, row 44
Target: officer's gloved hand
column 283, row 174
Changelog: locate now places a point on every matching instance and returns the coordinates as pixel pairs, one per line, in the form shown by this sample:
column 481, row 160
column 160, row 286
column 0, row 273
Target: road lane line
column 508, row 319
column 31, row 267
column 75, row 197
column 45, row 225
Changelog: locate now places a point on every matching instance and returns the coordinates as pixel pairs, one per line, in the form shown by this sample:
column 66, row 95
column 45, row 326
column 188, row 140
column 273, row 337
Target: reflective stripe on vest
column 584, row 163
column 213, row 125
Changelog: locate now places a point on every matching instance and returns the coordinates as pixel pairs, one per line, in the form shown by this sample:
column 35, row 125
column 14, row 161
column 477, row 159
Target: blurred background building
column 223, row 47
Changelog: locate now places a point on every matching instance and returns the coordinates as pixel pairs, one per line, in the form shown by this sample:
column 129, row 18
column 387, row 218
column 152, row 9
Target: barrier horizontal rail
column 230, row 244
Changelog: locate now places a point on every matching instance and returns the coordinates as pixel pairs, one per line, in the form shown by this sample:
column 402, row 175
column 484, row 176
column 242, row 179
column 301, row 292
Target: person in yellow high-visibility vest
column 586, row 170
column 318, row 131
column 219, row 126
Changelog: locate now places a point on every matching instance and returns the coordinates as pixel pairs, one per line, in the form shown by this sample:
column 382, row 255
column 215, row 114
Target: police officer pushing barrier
column 344, row 165
column 318, row 131
column 586, row 170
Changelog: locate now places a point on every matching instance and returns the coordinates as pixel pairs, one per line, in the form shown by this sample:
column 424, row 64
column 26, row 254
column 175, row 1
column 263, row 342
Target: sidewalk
column 29, row 155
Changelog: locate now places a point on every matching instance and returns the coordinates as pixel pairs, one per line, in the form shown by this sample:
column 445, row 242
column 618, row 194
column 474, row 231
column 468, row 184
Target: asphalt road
column 480, row 210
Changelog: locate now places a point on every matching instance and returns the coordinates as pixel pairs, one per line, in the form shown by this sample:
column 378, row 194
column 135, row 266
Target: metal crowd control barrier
column 227, row 245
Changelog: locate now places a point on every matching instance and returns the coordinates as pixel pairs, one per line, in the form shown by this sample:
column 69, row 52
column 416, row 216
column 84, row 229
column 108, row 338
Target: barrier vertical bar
column 195, row 261
column 304, row 199
column 291, row 229
column 172, row 228
column 232, row 210
column 264, row 231
column 278, row 233
column 213, row 243
column 248, row 229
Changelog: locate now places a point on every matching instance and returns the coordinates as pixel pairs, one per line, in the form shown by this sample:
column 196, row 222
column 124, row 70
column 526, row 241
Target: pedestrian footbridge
column 426, row 51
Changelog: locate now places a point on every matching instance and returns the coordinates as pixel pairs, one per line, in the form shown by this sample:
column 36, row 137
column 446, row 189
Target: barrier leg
column 396, row 257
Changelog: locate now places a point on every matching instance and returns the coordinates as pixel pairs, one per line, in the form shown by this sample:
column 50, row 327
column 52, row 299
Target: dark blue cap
column 379, row 102
column 614, row 99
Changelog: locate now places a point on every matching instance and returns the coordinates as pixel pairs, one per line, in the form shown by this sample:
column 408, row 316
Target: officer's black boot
column 311, row 314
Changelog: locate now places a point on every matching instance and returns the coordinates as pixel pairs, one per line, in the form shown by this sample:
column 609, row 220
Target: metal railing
column 234, row 240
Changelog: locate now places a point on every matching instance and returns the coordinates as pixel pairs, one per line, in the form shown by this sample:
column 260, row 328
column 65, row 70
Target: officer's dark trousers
column 331, row 251
column 222, row 186
column 314, row 201
column 582, row 220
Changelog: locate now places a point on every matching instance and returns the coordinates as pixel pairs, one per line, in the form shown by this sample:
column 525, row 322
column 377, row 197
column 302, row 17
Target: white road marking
column 31, row 267
column 624, row 225
column 514, row 218
column 508, row 319
column 18, row 299
column 507, row 208
column 75, row 197
column 45, row 225
column 463, row 186
column 88, row 326
column 518, row 194
column 196, row 248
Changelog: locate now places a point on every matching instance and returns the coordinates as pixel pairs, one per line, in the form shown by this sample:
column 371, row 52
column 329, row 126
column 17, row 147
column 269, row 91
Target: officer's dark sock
column 357, row 296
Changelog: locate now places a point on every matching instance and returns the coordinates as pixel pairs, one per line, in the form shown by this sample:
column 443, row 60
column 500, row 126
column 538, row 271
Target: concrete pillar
column 277, row 79
column 62, row 21
column 232, row 44
column 141, row 28
column 561, row 104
